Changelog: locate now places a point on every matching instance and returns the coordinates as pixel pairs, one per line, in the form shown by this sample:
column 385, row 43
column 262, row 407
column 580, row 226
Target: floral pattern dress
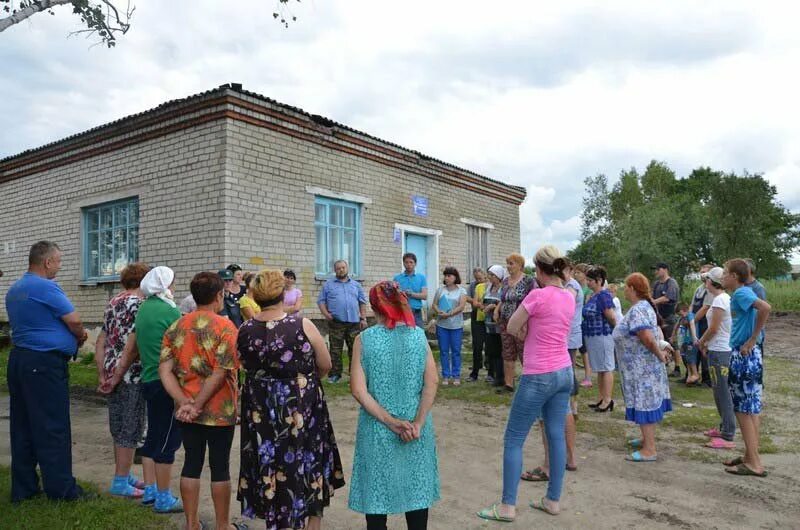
column 644, row 377
column 290, row 464
column 118, row 323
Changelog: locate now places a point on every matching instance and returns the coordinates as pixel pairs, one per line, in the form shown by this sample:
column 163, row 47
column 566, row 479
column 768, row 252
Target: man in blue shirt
column 746, row 371
column 45, row 332
column 343, row 304
column 414, row 285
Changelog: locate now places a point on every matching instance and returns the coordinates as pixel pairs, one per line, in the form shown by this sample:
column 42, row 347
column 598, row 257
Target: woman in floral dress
column 290, row 464
column 644, row 376
column 516, row 286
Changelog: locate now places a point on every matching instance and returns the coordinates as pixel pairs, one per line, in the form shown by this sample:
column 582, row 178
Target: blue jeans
column 450, row 351
column 543, row 396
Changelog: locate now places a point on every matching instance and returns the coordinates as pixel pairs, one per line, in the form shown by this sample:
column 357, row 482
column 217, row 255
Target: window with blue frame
column 338, row 234
column 110, row 238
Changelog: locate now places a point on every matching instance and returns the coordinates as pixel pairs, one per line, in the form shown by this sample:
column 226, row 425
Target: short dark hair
column 205, row 286
column 131, row 276
column 410, row 255
column 40, row 251
column 454, row 272
column 683, row 306
column 597, row 273
column 739, row 268
column 289, row 273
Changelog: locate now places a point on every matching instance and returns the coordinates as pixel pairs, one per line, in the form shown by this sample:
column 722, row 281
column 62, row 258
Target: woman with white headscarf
column 155, row 315
column 493, row 344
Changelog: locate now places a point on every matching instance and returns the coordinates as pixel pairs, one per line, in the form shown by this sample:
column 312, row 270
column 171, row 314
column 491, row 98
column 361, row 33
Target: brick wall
column 226, row 183
column 178, row 179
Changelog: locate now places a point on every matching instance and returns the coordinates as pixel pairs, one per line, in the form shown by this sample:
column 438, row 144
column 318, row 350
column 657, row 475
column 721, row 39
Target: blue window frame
column 110, row 238
column 337, row 225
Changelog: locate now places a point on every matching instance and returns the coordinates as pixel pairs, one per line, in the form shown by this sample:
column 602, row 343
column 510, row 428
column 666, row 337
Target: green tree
column 749, row 222
column 706, row 217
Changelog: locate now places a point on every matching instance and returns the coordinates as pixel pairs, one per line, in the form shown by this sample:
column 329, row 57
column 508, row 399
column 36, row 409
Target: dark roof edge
column 236, row 88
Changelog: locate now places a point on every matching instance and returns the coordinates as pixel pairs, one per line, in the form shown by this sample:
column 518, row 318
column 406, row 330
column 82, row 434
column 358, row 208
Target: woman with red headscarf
column 393, row 377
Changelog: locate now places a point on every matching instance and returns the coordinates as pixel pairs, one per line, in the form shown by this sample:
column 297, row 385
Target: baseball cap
column 225, row 274
column 715, row 275
column 660, row 265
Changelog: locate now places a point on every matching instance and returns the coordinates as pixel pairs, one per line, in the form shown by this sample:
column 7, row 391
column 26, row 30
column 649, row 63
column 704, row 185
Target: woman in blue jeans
column 449, row 302
column 543, row 321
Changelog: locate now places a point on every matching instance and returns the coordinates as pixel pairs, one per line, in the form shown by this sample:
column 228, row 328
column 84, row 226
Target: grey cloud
column 600, row 38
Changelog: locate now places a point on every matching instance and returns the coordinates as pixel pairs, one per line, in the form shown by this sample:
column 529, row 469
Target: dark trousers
column 478, row 330
column 494, row 351
column 340, row 333
column 218, row 439
column 415, row 520
column 38, row 384
column 702, row 360
column 418, row 318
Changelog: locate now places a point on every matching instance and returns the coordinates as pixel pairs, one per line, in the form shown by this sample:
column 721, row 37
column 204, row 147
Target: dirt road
column 605, row 492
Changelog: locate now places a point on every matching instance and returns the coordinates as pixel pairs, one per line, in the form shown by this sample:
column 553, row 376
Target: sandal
column 712, row 433
column 742, row 469
column 720, row 443
column 572, row 468
column 535, row 475
column 636, row 443
column 491, row 514
column 739, row 460
column 240, row 526
column 636, row 456
column 542, row 506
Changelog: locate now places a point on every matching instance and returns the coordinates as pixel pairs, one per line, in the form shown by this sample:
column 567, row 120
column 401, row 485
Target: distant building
column 229, row 176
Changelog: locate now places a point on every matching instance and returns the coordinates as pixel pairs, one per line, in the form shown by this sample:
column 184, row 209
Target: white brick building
column 231, row 176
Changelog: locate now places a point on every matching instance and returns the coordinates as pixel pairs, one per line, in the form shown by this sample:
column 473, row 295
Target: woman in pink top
column 543, row 321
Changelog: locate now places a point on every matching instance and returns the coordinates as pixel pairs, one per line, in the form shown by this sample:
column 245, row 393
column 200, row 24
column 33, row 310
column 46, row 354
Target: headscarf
column 391, row 303
column 499, row 271
column 157, row 282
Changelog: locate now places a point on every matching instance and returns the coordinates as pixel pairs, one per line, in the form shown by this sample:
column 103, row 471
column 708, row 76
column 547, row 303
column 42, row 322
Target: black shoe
column 505, row 390
column 675, row 373
column 608, row 408
column 708, row 384
column 595, row 405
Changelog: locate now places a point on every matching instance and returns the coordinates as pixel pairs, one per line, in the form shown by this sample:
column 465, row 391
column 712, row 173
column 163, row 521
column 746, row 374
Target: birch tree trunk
column 26, row 12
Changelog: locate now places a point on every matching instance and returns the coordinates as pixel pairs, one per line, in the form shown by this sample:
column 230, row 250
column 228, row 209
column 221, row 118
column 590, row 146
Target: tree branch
column 28, row 11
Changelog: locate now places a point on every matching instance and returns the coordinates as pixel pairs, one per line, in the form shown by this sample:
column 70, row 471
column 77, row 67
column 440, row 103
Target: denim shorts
column 689, row 354
column 746, row 381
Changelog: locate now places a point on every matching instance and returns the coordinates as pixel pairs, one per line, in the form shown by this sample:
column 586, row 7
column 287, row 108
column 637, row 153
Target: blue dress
column 644, row 377
column 389, row 475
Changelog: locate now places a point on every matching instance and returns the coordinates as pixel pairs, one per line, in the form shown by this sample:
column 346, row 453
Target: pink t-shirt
column 550, row 313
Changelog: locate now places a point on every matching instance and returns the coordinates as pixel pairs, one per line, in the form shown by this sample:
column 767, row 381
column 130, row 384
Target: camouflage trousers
column 338, row 334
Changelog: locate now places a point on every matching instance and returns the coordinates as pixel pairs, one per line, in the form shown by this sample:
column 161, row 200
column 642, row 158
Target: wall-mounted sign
column 396, row 236
column 419, row 205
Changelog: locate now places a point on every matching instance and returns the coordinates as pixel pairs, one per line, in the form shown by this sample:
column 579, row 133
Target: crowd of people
column 238, row 350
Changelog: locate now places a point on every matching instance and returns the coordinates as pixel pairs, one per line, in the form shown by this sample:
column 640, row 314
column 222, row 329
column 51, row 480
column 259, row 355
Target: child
column 686, row 338
column 613, row 288
column 745, row 376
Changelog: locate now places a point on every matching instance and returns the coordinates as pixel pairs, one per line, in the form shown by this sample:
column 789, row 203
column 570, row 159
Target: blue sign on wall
column 419, row 205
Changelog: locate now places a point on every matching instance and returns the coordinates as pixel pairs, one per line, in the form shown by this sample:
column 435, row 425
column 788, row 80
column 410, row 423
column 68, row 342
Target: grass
column 102, row 513
column 782, row 295
column 82, row 373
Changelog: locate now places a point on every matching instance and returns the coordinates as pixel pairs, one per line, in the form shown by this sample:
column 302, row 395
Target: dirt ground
column 605, row 492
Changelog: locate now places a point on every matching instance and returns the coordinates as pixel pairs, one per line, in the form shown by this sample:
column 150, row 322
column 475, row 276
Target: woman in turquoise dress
column 393, row 377
column 645, row 386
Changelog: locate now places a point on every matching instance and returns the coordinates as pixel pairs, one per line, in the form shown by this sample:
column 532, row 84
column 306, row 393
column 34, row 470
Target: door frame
column 432, row 250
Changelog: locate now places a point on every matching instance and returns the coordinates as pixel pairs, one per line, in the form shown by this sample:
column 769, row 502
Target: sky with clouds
column 538, row 94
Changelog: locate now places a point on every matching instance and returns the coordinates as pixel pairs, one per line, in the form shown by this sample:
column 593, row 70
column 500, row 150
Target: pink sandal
column 720, row 443
column 713, row 433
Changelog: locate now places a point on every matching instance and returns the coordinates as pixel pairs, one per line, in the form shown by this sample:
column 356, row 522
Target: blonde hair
column 519, row 259
column 551, row 261
column 268, row 286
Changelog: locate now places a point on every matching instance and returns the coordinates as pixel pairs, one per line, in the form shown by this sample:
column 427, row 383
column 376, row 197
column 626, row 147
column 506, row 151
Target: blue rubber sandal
column 636, row 456
column 635, row 443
